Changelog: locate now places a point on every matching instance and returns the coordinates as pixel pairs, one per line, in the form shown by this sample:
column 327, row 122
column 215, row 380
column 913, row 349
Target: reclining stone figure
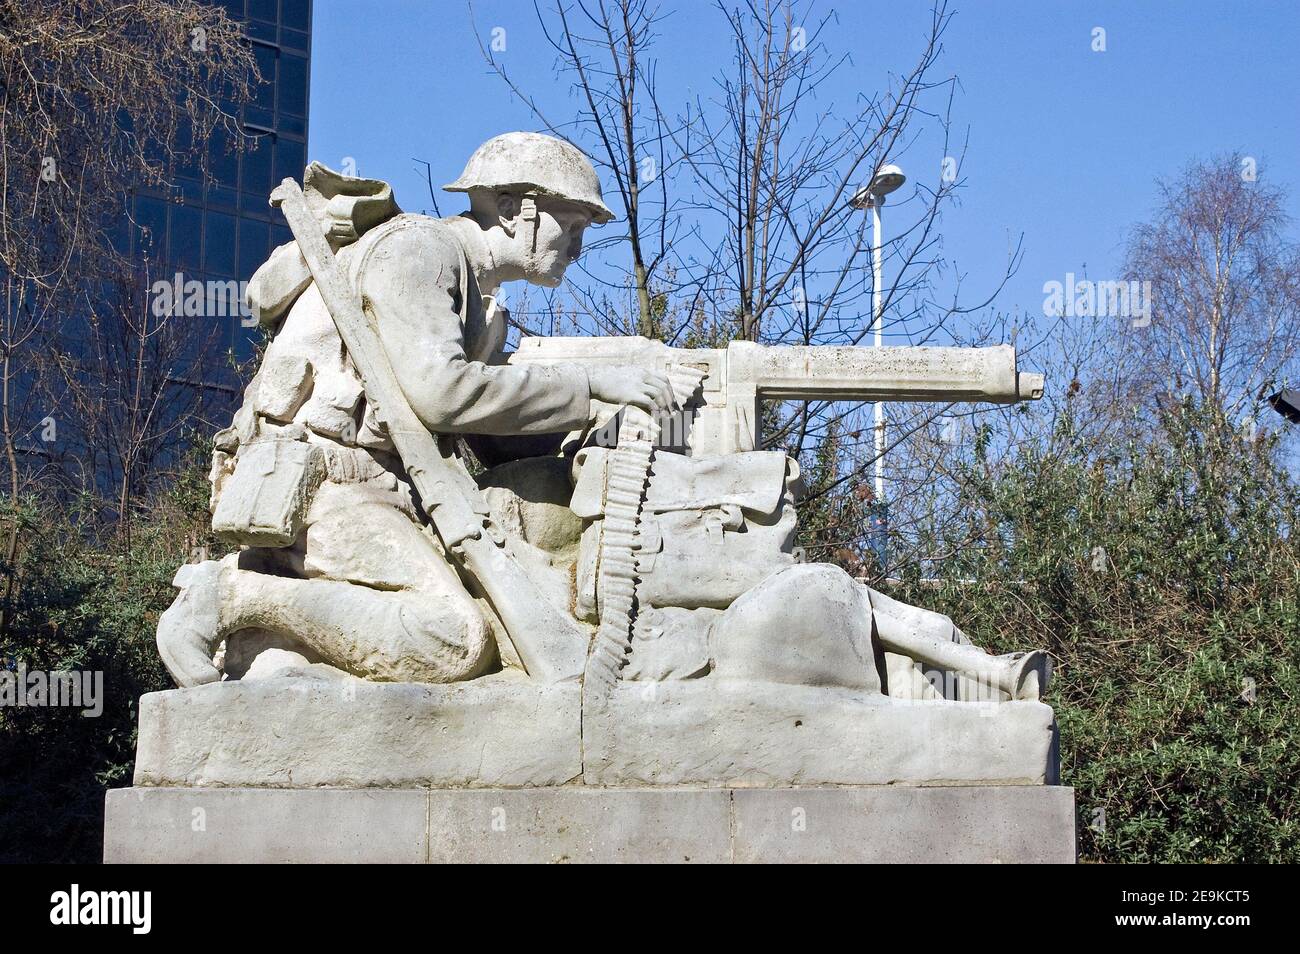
column 342, row 571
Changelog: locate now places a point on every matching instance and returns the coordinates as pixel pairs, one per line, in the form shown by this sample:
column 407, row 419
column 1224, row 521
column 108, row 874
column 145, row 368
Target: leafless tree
column 752, row 233
column 1222, row 332
column 1225, row 282
column 138, row 379
column 776, row 168
column 605, row 48
column 97, row 98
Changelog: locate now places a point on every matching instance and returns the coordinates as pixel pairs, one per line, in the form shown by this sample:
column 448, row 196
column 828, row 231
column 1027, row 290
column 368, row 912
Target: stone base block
column 742, row 734
column 495, row 732
column 574, row 823
column 309, row 733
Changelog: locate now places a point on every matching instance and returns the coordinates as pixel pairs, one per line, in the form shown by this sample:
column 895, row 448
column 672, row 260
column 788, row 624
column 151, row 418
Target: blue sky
column 1065, row 143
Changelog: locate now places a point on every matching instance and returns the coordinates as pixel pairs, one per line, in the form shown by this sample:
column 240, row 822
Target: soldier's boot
column 190, row 629
column 1019, row 675
column 1031, row 673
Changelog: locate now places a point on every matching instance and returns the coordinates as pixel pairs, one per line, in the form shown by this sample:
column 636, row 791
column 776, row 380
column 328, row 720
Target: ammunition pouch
column 263, row 501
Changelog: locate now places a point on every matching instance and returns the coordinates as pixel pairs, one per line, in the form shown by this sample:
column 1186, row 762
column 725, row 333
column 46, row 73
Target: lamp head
column 887, row 179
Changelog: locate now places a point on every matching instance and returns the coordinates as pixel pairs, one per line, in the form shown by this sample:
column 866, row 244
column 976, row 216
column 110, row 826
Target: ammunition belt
column 627, row 477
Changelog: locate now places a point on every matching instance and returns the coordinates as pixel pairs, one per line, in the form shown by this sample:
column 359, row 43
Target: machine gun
column 727, row 387
column 726, row 410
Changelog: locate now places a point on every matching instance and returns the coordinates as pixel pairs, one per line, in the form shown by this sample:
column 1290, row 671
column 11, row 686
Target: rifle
column 551, row 645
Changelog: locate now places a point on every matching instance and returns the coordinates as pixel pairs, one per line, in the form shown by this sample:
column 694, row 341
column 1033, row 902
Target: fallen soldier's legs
column 812, row 624
column 932, row 638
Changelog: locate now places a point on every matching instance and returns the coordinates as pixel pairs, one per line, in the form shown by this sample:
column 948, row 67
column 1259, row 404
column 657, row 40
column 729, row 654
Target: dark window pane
column 119, row 235
column 222, row 163
column 156, row 155
column 185, row 237
column 294, row 14
column 263, row 10
column 289, row 160
column 188, row 159
column 234, row 7
column 253, row 116
column 244, row 342
column 255, row 206
column 258, row 163
column 280, row 235
column 252, row 247
column 221, row 297
column 219, row 243
column 291, row 125
column 266, row 57
column 293, row 40
column 151, row 217
column 219, row 197
column 190, row 191
column 260, row 31
column 293, row 84
column 188, row 165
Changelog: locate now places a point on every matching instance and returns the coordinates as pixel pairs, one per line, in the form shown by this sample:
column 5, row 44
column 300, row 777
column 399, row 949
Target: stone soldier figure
column 338, row 565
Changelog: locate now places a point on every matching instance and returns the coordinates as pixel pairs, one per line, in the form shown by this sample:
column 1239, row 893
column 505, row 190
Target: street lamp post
column 872, row 196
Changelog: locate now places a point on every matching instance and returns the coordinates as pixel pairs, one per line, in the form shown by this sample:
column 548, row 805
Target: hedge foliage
column 85, row 601
column 1164, row 577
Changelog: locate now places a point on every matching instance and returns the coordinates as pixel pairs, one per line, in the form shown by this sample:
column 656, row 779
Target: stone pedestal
column 494, row 732
column 576, row 823
column 298, row 770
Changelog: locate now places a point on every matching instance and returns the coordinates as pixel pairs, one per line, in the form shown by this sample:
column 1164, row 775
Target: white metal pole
column 877, row 320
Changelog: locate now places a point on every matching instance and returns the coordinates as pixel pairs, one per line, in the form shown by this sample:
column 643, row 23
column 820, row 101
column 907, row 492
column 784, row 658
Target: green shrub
column 84, row 603
column 1163, row 576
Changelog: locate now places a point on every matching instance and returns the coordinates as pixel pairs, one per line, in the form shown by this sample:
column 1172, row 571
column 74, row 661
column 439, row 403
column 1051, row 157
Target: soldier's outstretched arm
column 411, row 282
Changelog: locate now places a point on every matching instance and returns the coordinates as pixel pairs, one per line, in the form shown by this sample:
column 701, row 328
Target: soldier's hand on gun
column 628, row 384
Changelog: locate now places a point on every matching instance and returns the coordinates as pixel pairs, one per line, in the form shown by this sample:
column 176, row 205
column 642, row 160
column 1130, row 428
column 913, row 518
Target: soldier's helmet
column 532, row 162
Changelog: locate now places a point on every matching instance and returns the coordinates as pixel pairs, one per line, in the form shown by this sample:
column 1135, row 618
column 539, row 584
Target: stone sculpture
column 340, row 565
column 615, row 599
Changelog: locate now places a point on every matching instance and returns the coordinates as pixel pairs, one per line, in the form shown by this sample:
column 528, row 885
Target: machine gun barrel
column 827, row 372
column 739, row 377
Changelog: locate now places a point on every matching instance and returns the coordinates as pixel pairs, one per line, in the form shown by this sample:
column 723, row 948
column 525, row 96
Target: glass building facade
column 224, row 230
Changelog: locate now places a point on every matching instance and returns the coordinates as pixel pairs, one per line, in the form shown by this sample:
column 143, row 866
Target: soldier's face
column 560, row 226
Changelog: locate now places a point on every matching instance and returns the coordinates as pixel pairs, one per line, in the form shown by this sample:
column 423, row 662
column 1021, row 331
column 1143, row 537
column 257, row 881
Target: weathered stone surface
column 807, row 625
column 290, row 731
column 529, row 498
column 742, row 375
column 573, row 824
column 579, row 824
column 223, row 826
column 901, row 824
column 305, row 733
column 284, row 384
column 745, row 734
